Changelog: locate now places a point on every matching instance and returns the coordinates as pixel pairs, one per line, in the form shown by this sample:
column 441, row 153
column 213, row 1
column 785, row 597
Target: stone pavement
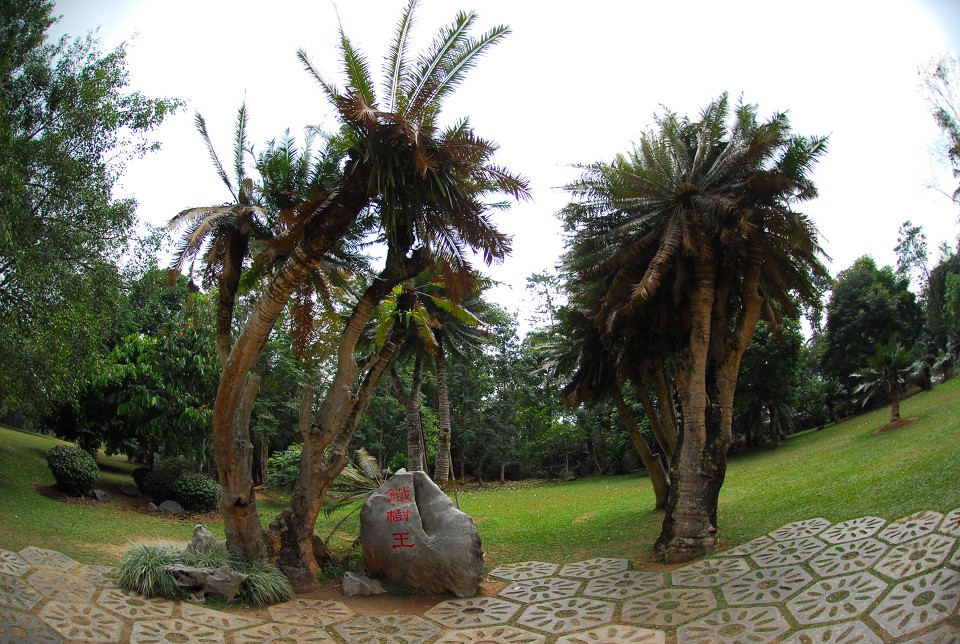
column 865, row 580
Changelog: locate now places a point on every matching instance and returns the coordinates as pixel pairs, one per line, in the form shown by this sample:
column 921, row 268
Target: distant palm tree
column 887, row 371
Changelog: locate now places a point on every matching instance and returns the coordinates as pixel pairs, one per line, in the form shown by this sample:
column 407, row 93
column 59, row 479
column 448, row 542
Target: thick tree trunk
column 442, row 470
column 651, row 461
column 894, row 400
column 292, row 532
column 689, row 526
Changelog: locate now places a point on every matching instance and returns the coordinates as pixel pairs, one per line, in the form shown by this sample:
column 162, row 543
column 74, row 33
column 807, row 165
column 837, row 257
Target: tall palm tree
column 426, row 188
column 221, row 235
column 692, row 234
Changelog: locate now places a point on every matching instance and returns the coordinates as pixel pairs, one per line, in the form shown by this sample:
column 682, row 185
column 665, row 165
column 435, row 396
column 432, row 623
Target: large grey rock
column 130, row 489
column 222, row 583
column 152, row 507
column 101, row 495
column 204, row 541
column 360, row 586
column 171, row 506
column 414, row 536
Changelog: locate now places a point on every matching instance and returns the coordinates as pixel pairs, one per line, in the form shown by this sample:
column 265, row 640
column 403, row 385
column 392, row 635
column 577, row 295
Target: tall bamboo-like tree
column 427, row 187
column 692, row 236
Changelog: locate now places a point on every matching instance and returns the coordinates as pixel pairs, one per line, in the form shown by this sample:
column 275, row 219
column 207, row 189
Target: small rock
column 360, row 586
column 101, row 496
column 130, row 489
column 152, row 507
column 569, row 476
column 204, row 541
column 171, row 506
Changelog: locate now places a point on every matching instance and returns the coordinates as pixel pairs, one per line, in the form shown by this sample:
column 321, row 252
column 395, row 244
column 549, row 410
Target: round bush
column 160, row 482
column 140, row 476
column 74, row 469
column 197, row 492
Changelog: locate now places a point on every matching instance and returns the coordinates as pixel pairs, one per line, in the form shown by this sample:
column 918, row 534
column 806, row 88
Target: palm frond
column 201, row 126
column 397, row 57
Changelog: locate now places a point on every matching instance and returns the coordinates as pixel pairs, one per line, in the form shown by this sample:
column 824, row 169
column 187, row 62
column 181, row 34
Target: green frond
column 431, row 65
column 359, row 82
column 397, row 57
column 201, row 126
column 240, row 144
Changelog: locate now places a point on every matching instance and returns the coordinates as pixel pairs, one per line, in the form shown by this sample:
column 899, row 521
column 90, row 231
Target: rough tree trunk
column 895, row 400
column 651, row 461
column 411, row 404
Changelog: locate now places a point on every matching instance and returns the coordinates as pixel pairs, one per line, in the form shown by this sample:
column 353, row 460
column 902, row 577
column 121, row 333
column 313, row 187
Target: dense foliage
column 75, row 471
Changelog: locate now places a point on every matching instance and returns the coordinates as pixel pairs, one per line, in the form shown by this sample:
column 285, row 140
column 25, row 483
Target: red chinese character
column 400, row 540
column 399, row 495
column 395, row 516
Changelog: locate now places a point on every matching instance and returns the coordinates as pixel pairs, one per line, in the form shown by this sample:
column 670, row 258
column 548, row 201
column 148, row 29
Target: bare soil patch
column 903, row 422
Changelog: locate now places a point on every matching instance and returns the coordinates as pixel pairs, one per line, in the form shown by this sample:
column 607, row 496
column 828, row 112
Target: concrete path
column 865, row 580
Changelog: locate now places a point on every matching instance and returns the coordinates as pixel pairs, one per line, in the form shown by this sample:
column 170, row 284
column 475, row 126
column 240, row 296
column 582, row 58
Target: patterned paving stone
column 61, row 585
column 216, row 619
column 950, row 525
column 919, row 603
column 848, row 557
column 99, row 576
column 623, row 585
column 82, row 621
column 536, row 590
column 16, row 593
column 17, row 626
column 615, row 634
column 852, row 530
column 492, row 635
column 174, row 630
column 836, row 598
column 12, row 564
column 524, row 570
column 710, row 572
column 766, row 585
column 593, row 568
column 944, row 635
column 855, row 632
column 134, row 606
column 736, row 625
column 789, row 552
column 42, row 558
column 914, row 557
column 310, row 612
column 386, row 629
column 480, row 611
column 748, row 548
column 282, row 633
column 669, row 607
column 566, row 615
column 911, row 527
column 798, row 529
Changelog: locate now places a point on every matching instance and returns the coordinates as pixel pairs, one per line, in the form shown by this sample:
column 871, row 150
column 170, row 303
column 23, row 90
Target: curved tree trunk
column 656, row 426
column 443, row 469
column 668, row 414
column 292, row 532
column 411, row 403
column 651, row 461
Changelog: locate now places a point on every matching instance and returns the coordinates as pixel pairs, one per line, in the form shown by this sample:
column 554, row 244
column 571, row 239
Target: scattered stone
column 204, row 541
column 101, row 496
column 171, row 506
column 222, row 583
column 360, row 586
column 130, row 489
column 152, row 507
column 416, row 537
column 569, row 476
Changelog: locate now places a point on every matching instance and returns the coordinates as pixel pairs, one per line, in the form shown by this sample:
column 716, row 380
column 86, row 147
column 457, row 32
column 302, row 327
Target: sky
column 574, row 83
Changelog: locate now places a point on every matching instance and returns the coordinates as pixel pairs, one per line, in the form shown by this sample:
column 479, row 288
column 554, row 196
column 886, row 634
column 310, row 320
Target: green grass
column 842, row 472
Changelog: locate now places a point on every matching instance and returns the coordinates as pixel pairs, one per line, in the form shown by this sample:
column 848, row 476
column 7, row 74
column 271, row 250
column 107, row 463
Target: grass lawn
column 842, row 472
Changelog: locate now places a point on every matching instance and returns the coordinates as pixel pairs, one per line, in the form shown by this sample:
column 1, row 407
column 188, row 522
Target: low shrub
column 283, row 468
column 75, row 471
column 196, row 492
column 143, row 570
column 139, row 478
column 160, row 483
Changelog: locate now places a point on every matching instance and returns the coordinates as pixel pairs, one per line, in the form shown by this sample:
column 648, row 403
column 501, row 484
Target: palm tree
column 886, row 373
column 426, row 188
column 692, row 235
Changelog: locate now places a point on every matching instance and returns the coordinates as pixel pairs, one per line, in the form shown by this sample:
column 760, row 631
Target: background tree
column 885, row 374
column 941, row 79
column 68, row 124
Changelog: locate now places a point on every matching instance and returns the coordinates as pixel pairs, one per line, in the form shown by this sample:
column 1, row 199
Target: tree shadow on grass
column 903, row 422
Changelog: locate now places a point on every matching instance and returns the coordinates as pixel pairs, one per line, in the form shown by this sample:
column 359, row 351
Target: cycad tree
column 691, row 236
column 427, row 188
column 885, row 374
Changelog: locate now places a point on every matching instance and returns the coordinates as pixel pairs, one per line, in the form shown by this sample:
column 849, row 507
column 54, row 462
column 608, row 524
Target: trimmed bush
column 139, row 477
column 160, row 483
column 74, row 469
column 196, row 492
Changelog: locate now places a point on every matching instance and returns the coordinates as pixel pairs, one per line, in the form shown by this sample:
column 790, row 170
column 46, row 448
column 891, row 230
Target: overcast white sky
column 575, row 82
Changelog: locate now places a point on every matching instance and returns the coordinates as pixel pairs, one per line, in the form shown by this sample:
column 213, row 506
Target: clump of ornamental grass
column 143, row 570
